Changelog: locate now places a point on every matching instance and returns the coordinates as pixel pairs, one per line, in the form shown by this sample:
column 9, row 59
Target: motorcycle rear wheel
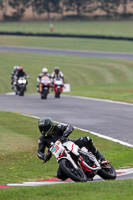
column 107, row 173
column 76, row 175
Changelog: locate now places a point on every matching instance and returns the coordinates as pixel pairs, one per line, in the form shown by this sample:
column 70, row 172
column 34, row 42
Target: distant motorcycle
column 44, row 87
column 58, row 87
column 20, row 86
column 79, row 164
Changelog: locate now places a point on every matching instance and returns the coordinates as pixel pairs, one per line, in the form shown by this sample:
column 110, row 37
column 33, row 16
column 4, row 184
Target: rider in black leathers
column 21, row 73
column 51, row 133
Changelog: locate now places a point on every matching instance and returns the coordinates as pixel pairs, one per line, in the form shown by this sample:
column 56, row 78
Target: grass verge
column 104, row 190
column 108, row 28
column 68, row 43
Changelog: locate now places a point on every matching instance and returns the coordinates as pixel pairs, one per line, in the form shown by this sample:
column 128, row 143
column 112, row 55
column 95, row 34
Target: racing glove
column 47, row 157
column 68, row 130
column 63, row 139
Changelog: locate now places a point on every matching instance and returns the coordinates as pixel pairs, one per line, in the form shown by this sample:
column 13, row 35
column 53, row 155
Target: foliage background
column 65, row 9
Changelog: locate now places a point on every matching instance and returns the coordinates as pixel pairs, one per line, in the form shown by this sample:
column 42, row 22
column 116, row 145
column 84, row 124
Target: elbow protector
column 68, row 130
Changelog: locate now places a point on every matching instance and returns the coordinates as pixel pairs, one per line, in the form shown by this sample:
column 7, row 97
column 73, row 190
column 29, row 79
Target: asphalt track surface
column 68, row 52
column 112, row 119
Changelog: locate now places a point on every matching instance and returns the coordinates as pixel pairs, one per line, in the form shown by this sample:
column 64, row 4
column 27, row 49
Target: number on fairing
column 55, row 148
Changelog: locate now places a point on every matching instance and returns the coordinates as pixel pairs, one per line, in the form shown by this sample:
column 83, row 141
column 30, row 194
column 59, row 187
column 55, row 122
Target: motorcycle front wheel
column 76, row 175
column 107, row 173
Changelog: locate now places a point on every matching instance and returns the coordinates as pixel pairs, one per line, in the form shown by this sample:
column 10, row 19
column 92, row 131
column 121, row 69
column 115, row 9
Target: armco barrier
column 68, row 36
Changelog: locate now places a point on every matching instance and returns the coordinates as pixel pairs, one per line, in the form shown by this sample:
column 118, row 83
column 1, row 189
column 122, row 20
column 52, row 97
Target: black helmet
column 56, row 69
column 46, row 126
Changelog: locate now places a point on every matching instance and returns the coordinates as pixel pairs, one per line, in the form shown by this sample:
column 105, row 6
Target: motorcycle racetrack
column 109, row 119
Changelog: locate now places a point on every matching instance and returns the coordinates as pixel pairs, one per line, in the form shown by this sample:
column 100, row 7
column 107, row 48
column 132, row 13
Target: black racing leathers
column 58, row 131
column 21, row 74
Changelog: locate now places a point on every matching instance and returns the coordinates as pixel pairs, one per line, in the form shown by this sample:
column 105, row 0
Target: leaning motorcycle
column 20, row 86
column 44, row 87
column 79, row 164
column 58, row 87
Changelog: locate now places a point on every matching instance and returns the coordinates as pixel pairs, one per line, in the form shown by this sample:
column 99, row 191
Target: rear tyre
column 76, row 175
column 107, row 173
column 42, row 97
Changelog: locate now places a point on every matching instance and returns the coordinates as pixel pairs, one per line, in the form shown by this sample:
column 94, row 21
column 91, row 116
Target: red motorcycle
column 58, row 86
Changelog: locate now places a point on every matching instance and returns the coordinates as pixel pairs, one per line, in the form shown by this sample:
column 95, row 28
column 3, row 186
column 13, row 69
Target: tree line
column 110, row 8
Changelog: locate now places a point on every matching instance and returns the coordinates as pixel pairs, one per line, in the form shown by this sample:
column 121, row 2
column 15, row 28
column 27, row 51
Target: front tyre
column 107, row 173
column 76, row 175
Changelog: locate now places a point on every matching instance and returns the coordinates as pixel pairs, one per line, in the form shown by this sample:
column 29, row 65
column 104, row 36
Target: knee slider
column 87, row 141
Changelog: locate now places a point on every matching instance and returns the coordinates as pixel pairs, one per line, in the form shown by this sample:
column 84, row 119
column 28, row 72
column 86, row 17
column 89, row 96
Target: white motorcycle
column 20, row 86
column 79, row 164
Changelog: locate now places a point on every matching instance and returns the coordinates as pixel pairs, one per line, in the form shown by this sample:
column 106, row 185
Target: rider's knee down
column 89, row 144
column 88, row 141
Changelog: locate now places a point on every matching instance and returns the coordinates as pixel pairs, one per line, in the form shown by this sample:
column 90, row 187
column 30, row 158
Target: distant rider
column 13, row 82
column 21, row 73
column 44, row 73
column 57, row 74
column 51, row 133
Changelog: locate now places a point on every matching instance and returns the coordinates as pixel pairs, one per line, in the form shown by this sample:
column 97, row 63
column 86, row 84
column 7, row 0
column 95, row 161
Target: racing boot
column 99, row 156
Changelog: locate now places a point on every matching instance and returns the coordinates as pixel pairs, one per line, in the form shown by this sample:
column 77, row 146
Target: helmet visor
column 46, row 130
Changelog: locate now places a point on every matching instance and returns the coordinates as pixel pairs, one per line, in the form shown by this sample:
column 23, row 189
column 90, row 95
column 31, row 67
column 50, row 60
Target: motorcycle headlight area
column 22, row 81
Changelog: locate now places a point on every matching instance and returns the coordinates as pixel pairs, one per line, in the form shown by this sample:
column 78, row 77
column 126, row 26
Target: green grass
column 110, row 190
column 18, row 147
column 90, row 77
column 68, row 43
column 108, row 28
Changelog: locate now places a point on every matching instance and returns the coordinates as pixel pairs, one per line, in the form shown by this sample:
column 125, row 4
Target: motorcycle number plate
column 55, row 148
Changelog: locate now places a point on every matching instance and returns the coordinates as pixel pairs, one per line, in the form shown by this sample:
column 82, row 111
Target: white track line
column 93, row 133
column 10, row 93
column 107, row 137
column 121, row 171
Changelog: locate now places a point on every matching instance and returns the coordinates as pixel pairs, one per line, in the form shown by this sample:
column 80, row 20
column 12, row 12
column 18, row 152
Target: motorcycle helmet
column 16, row 67
column 20, row 68
column 56, row 69
column 44, row 70
column 46, row 126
